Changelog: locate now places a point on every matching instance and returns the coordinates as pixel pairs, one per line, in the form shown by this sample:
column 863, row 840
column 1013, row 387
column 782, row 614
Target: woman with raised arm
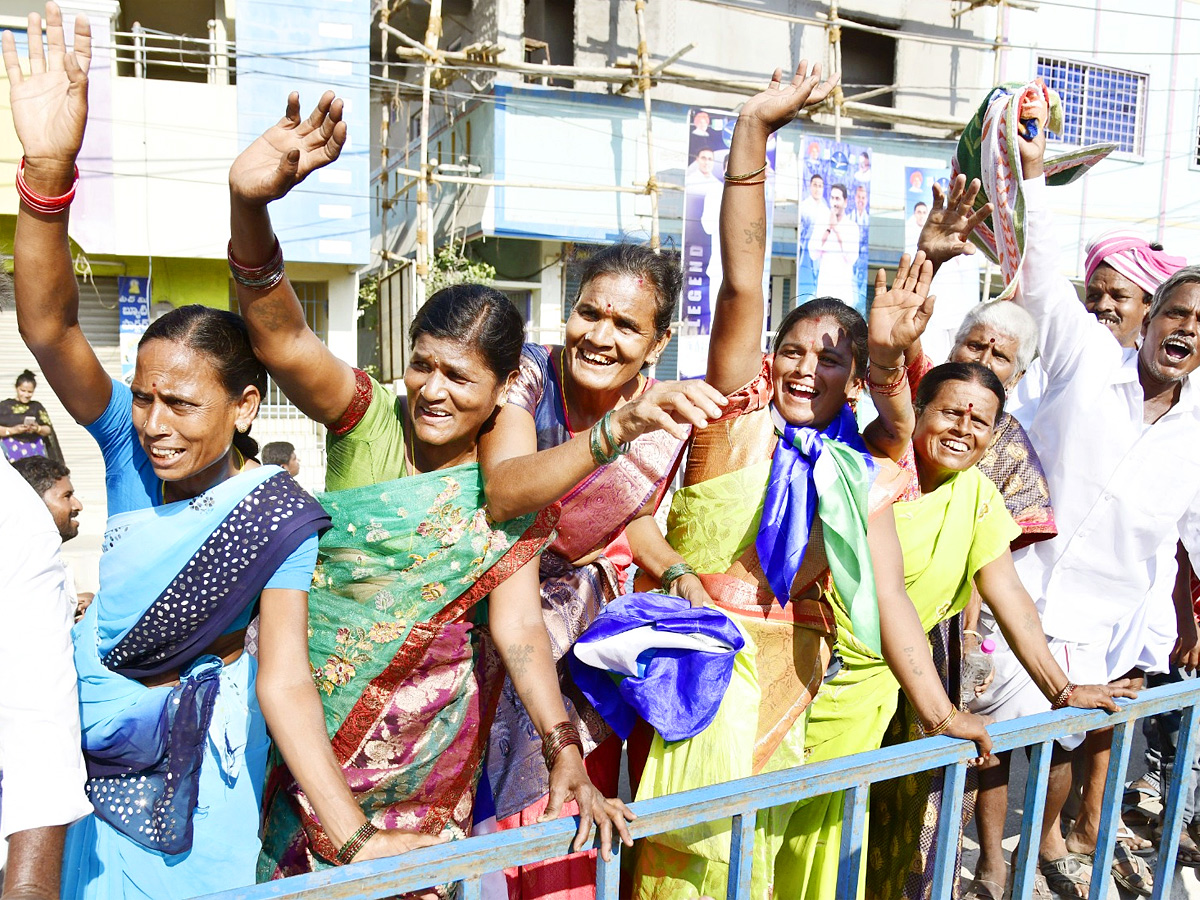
column 409, row 696
column 791, row 562
column 174, row 713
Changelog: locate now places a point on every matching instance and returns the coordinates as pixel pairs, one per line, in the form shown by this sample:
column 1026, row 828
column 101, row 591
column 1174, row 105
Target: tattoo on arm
column 518, row 658
column 912, row 662
column 757, row 232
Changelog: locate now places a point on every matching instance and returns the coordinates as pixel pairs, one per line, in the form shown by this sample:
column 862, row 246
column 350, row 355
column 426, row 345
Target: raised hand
column 49, row 106
column 287, row 152
column 951, row 221
column 898, row 316
column 781, row 102
column 1032, row 147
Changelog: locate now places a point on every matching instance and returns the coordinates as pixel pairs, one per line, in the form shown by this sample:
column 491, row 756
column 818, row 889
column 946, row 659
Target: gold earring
column 242, row 429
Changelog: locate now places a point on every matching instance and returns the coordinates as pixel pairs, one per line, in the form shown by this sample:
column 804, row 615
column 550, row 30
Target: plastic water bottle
column 977, row 667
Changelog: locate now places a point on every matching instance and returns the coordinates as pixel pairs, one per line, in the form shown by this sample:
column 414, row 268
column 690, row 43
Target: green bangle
column 674, row 573
column 606, row 425
column 599, row 457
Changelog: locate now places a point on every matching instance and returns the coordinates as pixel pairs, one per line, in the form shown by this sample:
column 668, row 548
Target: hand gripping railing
column 468, row 860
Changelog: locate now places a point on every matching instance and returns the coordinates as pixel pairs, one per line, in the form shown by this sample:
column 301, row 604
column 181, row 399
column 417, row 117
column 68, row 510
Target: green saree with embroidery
column 394, row 650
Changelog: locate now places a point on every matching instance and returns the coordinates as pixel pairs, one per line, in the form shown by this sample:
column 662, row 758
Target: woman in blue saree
column 174, row 713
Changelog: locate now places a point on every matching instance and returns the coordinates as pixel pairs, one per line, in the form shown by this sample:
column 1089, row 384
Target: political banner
column 710, row 132
column 956, row 284
column 835, row 217
column 133, row 301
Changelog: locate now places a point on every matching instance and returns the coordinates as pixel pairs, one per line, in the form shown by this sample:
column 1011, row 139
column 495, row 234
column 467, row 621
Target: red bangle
column 48, row 206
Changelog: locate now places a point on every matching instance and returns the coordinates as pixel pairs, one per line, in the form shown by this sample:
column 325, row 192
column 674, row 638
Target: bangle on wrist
column 748, row 175
column 875, row 365
column 558, row 739
column 674, row 573
column 258, row 278
column 358, row 840
column 974, row 634
column 940, row 727
column 1064, row 696
column 40, row 203
column 887, row 388
column 601, row 434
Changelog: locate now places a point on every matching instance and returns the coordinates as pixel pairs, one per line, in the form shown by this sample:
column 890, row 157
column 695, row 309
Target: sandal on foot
column 1142, row 804
column 1188, row 853
column 1067, row 874
column 1134, row 842
column 1136, row 878
column 979, row 889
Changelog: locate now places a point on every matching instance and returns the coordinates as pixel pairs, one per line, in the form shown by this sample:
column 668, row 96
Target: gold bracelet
column 940, row 727
column 748, row 175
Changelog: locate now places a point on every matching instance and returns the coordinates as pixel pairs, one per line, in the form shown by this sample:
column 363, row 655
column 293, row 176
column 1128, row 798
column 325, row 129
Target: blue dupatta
column 172, row 579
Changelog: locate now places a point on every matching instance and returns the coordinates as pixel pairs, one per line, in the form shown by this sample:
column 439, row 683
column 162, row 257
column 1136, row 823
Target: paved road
column 1186, row 885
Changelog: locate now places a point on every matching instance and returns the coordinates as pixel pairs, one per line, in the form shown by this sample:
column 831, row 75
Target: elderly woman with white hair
column 1003, row 337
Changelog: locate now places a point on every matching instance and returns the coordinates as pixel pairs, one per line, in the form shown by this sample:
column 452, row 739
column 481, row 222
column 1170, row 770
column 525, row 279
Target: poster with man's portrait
column 835, row 216
column 956, row 284
column 709, row 134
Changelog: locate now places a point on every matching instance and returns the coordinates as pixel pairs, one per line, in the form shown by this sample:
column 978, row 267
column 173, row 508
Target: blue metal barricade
column 468, row 860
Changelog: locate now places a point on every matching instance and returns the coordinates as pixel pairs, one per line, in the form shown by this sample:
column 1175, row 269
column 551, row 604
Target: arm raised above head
column 735, row 349
column 50, row 109
column 320, row 384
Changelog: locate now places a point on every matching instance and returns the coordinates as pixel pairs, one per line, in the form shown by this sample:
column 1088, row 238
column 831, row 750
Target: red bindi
column 991, row 340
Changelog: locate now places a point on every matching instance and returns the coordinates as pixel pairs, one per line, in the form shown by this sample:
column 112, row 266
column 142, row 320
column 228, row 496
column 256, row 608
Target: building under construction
column 532, row 129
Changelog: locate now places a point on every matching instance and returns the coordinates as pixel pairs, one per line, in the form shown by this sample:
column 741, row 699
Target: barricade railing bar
column 467, row 861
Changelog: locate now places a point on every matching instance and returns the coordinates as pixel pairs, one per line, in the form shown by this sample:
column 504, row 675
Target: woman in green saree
column 395, row 619
column 787, row 521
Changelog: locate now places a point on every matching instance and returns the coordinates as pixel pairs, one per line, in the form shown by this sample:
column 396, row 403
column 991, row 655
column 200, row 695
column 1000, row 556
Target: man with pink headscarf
column 1121, row 273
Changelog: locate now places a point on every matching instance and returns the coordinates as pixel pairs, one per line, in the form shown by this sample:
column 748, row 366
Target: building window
column 869, row 66
column 1100, row 105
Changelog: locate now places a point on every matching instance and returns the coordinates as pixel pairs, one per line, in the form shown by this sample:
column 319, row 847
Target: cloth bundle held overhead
column 989, row 150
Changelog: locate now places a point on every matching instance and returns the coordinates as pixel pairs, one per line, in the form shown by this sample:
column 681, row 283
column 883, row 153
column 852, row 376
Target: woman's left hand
column 898, row 316
column 1100, row 696
column 287, row 152
column 569, row 781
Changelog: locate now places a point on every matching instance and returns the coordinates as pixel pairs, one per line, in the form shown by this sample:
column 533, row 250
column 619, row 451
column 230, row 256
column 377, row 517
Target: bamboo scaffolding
column 639, row 74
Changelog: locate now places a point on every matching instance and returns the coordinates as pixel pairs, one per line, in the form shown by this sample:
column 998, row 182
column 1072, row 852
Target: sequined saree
column 395, row 652
column 175, row 772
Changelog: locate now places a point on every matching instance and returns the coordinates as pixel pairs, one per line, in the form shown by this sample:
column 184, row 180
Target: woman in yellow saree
column 786, row 520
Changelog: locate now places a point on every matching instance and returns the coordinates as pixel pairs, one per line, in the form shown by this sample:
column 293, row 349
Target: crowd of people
column 268, row 683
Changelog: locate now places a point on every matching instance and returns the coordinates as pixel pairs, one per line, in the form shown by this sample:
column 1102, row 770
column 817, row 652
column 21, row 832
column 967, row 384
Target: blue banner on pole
column 133, row 301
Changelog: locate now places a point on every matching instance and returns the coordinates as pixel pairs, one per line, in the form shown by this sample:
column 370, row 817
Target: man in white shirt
column 1116, row 431
column 43, row 775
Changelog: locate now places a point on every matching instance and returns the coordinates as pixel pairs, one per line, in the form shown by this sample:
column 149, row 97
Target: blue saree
column 176, row 772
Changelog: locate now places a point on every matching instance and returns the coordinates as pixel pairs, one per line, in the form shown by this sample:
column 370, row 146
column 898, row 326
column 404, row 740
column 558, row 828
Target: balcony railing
column 465, row 862
column 146, row 53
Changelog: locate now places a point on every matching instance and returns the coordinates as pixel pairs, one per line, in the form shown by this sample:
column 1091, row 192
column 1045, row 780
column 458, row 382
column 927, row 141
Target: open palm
column 899, row 315
column 284, row 155
column 49, row 106
column 781, row 102
column 951, row 220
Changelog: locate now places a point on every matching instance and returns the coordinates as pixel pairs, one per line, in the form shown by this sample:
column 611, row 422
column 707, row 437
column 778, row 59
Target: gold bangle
column 748, row 175
column 940, row 727
column 737, row 182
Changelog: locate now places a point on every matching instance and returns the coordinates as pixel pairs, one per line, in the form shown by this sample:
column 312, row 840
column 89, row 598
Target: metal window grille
column 314, row 300
column 1100, row 104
